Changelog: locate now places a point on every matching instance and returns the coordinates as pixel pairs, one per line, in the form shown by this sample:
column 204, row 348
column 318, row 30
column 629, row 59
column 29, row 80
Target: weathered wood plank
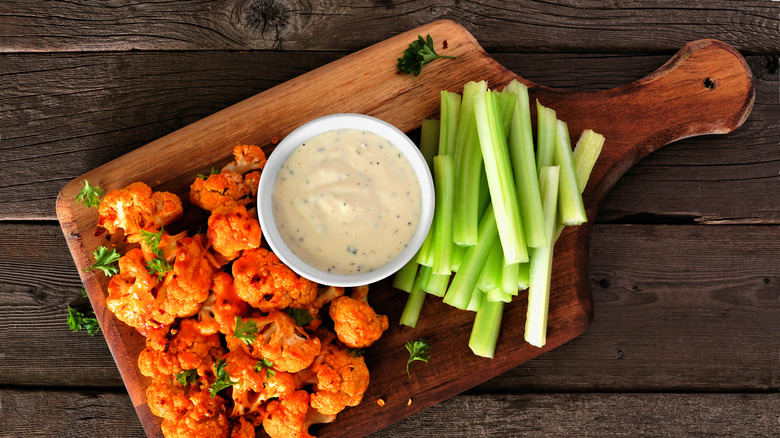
column 670, row 314
column 351, row 25
column 67, row 114
column 78, row 414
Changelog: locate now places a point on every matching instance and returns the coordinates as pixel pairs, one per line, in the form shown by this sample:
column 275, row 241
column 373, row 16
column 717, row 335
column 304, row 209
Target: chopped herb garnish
column 302, row 317
column 246, row 330
column 105, row 260
column 213, row 171
column 222, row 378
column 186, row 377
column 158, row 265
column 419, row 53
column 77, row 321
column 89, row 195
column 83, row 291
column 268, row 365
column 418, row 350
column 355, row 352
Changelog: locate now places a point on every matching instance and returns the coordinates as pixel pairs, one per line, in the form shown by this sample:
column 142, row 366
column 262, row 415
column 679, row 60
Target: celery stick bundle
column 501, row 204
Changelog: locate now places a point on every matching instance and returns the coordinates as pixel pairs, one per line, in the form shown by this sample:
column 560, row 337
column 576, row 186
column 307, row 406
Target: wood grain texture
column 73, row 112
column 79, row 414
column 751, row 26
column 677, row 87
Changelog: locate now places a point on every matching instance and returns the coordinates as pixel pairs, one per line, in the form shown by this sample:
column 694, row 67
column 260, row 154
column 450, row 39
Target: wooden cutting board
column 706, row 88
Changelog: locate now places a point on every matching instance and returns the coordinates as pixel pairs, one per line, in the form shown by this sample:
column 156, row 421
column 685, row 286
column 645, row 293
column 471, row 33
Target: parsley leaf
column 268, row 365
column 222, row 378
column 418, row 350
column 186, row 377
column 89, row 195
column 419, row 53
column 157, row 265
column 355, row 352
column 105, row 260
column 83, row 291
column 302, row 317
column 213, row 171
column 152, row 240
column 246, row 330
column 77, row 321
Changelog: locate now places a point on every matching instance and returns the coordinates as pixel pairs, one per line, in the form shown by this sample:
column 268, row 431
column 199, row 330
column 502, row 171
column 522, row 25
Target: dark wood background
column 685, row 255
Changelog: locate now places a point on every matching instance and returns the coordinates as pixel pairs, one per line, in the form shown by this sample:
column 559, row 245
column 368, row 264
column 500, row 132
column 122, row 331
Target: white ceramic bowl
column 309, row 130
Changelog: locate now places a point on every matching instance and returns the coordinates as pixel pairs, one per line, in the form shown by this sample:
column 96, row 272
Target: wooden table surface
column 684, row 258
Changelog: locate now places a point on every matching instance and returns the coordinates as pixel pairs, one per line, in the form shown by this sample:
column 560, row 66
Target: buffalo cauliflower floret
column 204, row 417
column 166, row 245
column 340, row 377
column 181, row 348
column 291, row 416
column 187, row 285
column 355, row 322
column 277, row 338
column 218, row 189
column 246, row 158
column 242, row 428
column 231, row 230
column 136, row 208
column 266, row 283
column 130, row 293
column 255, row 382
column 325, row 295
column 166, row 398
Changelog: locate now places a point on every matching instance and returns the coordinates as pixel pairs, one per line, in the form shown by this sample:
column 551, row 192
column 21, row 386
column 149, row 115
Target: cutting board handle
column 706, row 88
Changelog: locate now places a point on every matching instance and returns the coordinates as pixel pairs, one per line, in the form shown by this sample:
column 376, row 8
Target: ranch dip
column 346, row 201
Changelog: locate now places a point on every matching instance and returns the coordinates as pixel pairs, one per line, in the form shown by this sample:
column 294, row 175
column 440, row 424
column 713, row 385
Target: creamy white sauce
column 346, row 201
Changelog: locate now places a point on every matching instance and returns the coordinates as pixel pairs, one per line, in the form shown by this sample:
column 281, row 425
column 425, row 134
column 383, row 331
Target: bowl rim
column 328, row 123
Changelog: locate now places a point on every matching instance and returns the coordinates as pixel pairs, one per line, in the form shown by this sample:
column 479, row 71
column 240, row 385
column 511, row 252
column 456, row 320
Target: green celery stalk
column 500, row 180
column 541, row 263
column 521, row 152
column 477, row 298
column 510, row 278
column 468, row 166
column 416, row 299
column 490, row 277
column 442, row 245
column 506, row 107
column 546, row 132
column 457, row 257
column 404, row 278
column 523, row 275
column 425, row 253
column 465, row 280
column 585, row 154
column 571, row 210
column 450, row 112
column 487, row 324
column 436, row 284
column 429, row 140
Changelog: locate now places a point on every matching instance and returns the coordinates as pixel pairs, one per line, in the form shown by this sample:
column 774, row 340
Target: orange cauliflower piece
column 355, row 322
column 242, row 429
column 325, row 295
column 182, row 348
column 246, row 158
column 204, row 417
column 166, row 398
column 167, row 245
column 137, row 208
column 254, row 384
column 228, row 304
column 291, row 416
column 231, row 230
column 218, row 189
column 130, row 293
column 340, row 377
column 278, row 339
column 187, row 285
column 266, row 283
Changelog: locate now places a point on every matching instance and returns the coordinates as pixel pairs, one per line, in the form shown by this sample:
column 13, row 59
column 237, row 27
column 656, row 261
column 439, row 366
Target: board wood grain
column 706, row 88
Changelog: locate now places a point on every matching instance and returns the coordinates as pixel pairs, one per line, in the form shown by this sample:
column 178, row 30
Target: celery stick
column 429, row 140
column 484, row 333
column 477, row 298
column 521, row 152
column 442, row 246
column 506, row 106
column 468, row 166
column 571, row 210
column 585, row 154
column 510, row 278
column 500, row 180
column 415, row 301
column 457, row 257
column 436, row 284
column 523, row 275
column 404, row 278
column 541, row 263
column 545, row 138
column 424, row 254
column 465, row 280
column 490, row 277
column 450, row 112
